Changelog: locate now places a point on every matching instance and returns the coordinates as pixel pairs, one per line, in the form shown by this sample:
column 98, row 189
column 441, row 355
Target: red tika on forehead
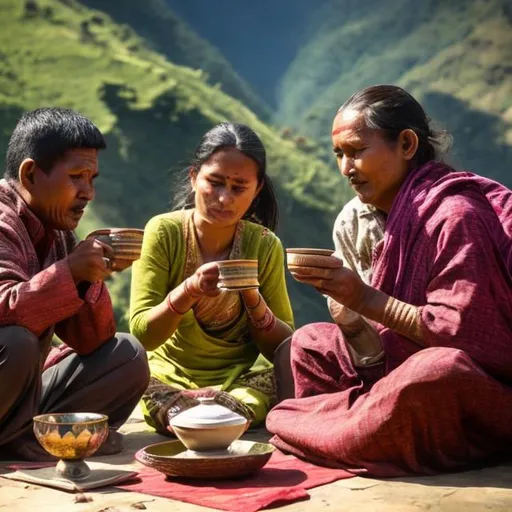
column 351, row 122
column 350, row 131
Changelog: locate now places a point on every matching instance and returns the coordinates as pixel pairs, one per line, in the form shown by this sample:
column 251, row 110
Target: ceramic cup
column 238, row 274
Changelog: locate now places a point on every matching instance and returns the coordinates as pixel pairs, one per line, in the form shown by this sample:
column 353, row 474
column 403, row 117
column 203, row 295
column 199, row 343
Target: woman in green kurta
column 204, row 340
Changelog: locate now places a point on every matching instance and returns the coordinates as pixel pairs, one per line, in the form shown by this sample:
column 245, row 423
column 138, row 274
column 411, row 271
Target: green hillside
column 166, row 33
column 455, row 57
column 153, row 112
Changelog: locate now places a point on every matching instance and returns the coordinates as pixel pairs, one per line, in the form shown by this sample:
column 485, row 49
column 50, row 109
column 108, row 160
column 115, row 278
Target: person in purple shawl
column 415, row 376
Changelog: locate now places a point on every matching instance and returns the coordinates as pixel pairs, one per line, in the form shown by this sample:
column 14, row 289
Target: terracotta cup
column 126, row 242
column 310, row 257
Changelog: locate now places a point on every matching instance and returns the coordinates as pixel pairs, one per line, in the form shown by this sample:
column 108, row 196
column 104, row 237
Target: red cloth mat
column 283, row 480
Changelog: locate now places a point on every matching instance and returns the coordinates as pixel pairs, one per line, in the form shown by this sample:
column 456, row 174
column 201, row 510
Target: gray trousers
column 110, row 381
column 285, row 384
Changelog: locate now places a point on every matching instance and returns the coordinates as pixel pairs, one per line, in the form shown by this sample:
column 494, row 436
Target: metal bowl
column 71, row 437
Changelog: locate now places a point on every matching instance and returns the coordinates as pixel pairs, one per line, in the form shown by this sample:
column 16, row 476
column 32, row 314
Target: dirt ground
column 474, row 491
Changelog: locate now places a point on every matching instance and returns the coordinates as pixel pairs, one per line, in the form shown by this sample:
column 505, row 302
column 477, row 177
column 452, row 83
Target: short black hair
column 45, row 134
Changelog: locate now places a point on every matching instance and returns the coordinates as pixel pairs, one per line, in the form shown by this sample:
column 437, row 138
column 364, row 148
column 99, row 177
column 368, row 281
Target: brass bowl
column 119, row 234
column 71, row 437
column 309, row 250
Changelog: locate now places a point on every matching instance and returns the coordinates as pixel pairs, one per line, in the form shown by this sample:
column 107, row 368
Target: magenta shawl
column 448, row 248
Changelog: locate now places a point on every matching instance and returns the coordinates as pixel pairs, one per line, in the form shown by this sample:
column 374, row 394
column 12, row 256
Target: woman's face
column 225, row 186
column 375, row 167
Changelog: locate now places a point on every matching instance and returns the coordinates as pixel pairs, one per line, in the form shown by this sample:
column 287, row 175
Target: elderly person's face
column 60, row 196
column 375, row 167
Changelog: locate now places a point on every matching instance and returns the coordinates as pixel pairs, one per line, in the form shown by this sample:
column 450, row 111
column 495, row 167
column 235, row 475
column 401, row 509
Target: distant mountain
column 171, row 36
column 153, row 112
column 455, row 57
column 308, row 56
column 259, row 38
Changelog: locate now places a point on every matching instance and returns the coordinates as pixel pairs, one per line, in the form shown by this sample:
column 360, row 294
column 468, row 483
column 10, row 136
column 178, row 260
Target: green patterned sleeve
column 272, row 278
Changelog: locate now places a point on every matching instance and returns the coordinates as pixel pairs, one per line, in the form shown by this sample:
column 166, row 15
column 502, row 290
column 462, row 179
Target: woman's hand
column 340, row 283
column 204, row 281
column 347, row 288
column 163, row 319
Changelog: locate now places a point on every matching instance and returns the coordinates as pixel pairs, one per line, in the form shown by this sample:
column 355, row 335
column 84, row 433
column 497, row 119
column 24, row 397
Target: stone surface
column 473, row 491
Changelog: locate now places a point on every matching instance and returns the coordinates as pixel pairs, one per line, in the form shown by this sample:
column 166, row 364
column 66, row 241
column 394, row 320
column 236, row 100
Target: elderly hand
column 90, row 261
column 340, row 313
column 204, row 281
column 340, row 283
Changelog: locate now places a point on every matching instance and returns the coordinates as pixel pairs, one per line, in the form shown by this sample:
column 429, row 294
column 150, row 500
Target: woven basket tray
column 174, row 460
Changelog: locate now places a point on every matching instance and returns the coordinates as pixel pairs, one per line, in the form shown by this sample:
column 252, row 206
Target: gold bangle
column 403, row 318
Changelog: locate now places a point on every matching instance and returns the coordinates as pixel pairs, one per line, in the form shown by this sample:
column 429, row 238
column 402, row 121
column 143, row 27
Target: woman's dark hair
column 264, row 208
column 390, row 109
column 45, row 134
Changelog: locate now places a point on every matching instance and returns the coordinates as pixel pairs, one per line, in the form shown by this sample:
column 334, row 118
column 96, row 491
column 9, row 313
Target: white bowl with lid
column 208, row 426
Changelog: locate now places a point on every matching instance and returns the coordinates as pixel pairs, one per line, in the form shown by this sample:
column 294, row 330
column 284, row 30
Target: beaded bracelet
column 170, row 305
column 267, row 323
column 271, row 324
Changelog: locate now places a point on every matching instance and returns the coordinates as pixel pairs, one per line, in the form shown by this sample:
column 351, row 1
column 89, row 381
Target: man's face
column 60, row 196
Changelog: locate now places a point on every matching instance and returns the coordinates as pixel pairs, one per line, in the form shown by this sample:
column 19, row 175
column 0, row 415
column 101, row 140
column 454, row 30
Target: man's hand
column 90, row 261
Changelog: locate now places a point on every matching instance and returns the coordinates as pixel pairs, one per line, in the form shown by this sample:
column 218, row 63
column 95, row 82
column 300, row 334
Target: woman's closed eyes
column 235, row 188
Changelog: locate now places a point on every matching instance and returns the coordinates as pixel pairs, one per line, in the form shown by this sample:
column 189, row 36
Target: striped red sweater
column 37, row 290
